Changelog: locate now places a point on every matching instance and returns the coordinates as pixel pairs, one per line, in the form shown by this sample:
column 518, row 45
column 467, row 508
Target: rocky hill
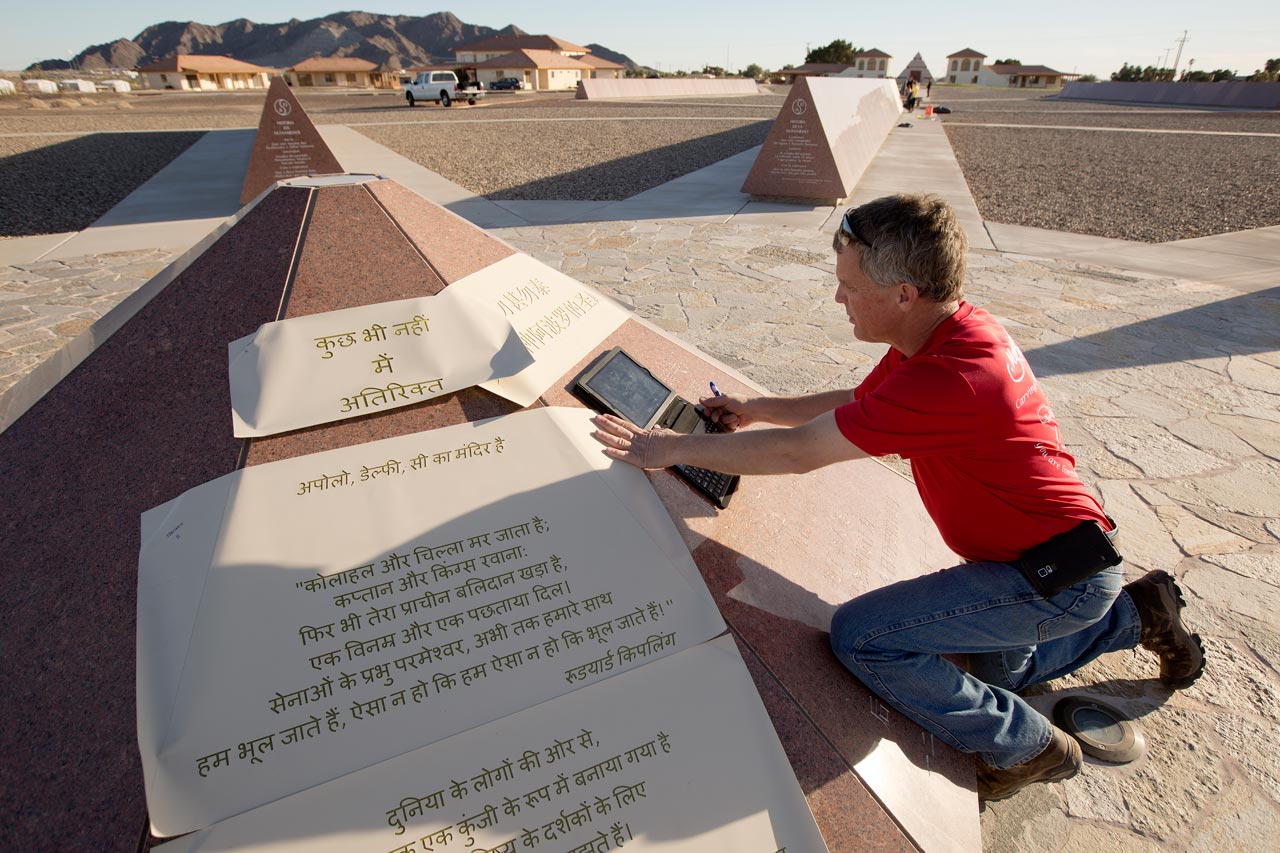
column 398, row 40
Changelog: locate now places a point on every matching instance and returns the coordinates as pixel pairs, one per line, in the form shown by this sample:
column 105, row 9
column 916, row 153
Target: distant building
column 542, row 62
column 965, row 66
column 916, row 70
column 540, row 70
column 601, row 67
column 347, row 72
column 205, row 73
column 869, row 63
column 1018, row 76
column 491, row 48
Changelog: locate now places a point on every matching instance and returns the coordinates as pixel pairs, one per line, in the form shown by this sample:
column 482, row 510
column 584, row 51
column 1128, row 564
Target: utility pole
column 1178, row 58
column 1164, row 63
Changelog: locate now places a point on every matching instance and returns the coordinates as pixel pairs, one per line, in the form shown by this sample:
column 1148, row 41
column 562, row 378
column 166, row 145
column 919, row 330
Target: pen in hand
column 714, row 390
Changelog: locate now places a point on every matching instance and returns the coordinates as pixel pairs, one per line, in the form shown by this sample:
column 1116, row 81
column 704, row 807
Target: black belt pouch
column 1069, row 558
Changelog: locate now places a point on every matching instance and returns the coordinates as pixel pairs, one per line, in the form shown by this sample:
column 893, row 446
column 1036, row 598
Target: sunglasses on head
column 848, row 232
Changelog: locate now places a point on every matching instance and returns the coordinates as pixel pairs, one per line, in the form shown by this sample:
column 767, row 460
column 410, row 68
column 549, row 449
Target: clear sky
column 1084, row 36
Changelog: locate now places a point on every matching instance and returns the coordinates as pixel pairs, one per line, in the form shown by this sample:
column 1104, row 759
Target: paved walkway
column 1163, row 363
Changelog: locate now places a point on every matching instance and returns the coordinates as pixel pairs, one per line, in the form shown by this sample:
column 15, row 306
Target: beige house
column 540, row 70
column 205, row 73
column 343, row 72
column 492, row 48
column 964, row 66
column 603, row 68
column 1020, row 76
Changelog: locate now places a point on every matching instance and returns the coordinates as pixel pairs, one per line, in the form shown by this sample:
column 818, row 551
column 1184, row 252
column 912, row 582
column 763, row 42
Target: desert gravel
column 1133, row 186
column 1222, row 122
column 587, row 161
column 52, row 185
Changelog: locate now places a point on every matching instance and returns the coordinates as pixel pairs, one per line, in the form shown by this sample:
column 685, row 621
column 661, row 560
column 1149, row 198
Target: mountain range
column 401, row 41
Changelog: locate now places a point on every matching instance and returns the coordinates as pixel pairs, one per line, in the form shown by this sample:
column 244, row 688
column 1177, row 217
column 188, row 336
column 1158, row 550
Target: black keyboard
column 717, row 486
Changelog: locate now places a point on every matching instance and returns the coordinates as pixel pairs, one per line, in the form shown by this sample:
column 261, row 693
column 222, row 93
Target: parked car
column 507, row 83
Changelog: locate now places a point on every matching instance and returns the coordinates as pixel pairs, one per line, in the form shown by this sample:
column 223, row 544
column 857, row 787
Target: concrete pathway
column 1163, row 363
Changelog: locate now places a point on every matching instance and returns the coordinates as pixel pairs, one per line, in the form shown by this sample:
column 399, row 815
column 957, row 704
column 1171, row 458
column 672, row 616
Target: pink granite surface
column 141, row 420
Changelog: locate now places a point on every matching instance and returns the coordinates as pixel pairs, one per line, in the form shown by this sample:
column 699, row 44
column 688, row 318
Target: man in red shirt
column 955, row 396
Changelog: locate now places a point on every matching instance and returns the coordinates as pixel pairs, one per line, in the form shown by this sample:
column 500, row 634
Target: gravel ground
column 1154, row 119
column 592, row 161
column 1147, row 187
column 49, row 186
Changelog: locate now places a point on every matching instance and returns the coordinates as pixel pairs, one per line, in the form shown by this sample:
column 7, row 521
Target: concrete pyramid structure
column 823, row 139
column 143, row 418
column 287, row 145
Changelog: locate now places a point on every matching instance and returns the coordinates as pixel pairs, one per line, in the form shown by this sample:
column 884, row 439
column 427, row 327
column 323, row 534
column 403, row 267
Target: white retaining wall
column 1258, row 95
column 636, row 87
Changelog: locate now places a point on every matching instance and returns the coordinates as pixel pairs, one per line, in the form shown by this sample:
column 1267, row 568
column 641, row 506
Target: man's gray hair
column 911, row 238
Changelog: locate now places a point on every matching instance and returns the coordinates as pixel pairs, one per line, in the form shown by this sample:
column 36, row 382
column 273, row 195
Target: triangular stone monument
column 823, row 139
column 916, row 70
column 287, row 145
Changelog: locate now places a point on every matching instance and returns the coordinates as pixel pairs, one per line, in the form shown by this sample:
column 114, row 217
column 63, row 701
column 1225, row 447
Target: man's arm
column 734, row 411
column 792, row 450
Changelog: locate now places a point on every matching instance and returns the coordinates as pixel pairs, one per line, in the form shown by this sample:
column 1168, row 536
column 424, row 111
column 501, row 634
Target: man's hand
column 732, row 411
column 628, row 443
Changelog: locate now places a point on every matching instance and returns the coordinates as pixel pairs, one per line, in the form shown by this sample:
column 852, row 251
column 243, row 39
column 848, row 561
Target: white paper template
column 343, row 364
column 306, row 618
column 678, row 755
column 559, row 319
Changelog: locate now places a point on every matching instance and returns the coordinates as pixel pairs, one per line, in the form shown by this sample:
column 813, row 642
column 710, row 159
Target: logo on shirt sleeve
column 1014, row 362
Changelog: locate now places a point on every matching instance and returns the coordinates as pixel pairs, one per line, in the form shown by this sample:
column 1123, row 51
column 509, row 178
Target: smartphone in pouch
column 619, row 385
column 1069, row 558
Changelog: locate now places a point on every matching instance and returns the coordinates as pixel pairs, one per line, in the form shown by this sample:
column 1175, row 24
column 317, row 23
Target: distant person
column 954, row 395
column 928, row 89
column 913, row 97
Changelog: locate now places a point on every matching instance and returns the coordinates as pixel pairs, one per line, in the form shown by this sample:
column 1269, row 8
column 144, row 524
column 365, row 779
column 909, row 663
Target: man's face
column 870, row 306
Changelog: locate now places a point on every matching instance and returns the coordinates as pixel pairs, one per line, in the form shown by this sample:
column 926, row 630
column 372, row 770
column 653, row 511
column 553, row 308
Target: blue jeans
column 894, row 638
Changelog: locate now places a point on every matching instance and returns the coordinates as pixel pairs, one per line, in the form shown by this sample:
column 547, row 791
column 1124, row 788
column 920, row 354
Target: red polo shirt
column 984, row 446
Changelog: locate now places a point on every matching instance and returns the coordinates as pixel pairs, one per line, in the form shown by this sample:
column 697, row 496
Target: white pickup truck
column 441, row 86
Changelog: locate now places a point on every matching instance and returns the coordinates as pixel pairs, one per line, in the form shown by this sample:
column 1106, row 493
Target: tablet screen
column 629, row 389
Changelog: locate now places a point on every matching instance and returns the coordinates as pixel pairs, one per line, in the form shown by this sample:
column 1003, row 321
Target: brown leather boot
column 1159, row 601
column 1060, row 760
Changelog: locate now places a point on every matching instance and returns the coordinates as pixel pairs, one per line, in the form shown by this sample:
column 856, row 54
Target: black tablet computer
column 619, row 385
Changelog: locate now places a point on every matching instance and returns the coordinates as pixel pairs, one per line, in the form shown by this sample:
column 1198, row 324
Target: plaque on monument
column 287, row 145
column 823, row 139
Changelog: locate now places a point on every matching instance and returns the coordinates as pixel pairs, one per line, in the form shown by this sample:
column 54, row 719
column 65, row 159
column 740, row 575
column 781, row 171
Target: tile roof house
column 205, row 73
column 490, row 48
column 1018, row 76
column 868, row 63
column 963, row 66
column 540, row 70
column 601, row 67
column 347, row 72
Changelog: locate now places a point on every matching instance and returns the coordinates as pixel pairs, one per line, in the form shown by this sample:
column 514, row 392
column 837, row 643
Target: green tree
column 754, row 71
column 1268, row 73
column 714, row 71
column 1089, row 78
column 1150, row 74
column 1007, row 62
column 839, row 51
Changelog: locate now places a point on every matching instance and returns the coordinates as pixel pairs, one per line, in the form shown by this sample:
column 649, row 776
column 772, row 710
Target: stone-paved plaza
column 1167, row 390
